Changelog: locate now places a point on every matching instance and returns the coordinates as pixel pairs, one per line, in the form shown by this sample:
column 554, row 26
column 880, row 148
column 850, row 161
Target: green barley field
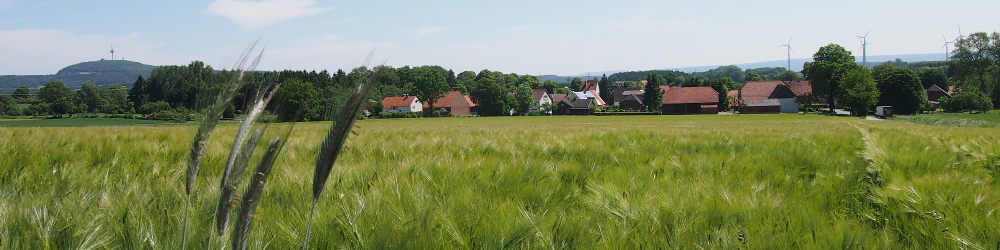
column 675, row 182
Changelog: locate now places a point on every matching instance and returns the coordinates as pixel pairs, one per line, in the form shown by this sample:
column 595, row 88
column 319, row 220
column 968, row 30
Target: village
column 755, row 97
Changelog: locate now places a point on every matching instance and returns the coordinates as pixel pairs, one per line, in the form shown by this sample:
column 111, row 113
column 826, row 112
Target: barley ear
column 252, row 196
column 339, row 130
column 241, row 151
column 213, row 115
column 229, row 186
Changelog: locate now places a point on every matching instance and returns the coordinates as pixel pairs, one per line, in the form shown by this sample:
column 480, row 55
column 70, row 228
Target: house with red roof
column 406, row 103
column 783, row 97
column 690, row 100
column 454, row 104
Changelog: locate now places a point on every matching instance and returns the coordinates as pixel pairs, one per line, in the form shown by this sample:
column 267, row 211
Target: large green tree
column 22, row 93
column 87, row 97
column 114, row 100
column 465, row 81
column 296, row 94
column 977, row 64
column 54, row 91
column 491, row 96
column 858, row 89
column 753, row 76
column 930, row 77
column 899, row 88
column 789, row 76
column 575, row 83
column 429, row 87
column 820, row 72
column 523, row 99
column 653, row 96
column 8, row 106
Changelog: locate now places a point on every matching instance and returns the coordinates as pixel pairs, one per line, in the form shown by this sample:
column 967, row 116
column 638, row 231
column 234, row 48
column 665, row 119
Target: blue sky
column 524, row 37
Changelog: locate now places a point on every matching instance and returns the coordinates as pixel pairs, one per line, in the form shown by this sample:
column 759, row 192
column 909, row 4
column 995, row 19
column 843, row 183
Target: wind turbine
column 864, row 48
column 789, row 46
column 945, row 47
column 112, row 52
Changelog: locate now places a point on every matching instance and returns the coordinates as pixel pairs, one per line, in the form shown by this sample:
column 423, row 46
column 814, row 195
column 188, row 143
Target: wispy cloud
column 4, row 4
column 421, row 33
column 510, row 30
column 252, row 15
column 641, row 20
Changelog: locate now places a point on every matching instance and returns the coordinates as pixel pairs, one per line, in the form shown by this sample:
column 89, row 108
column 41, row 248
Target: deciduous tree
column 54, row 91
column 820, row 73
column 524, row 98
column 22, row 93
column 429, row 87
column 932, row 77
column 753, row 77
column 977, row 64
column 858, row 89
column 899, row 88
column 491, row 97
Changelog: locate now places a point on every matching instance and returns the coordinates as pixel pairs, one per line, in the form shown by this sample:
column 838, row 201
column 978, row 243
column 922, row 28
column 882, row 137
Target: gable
column 781, row 92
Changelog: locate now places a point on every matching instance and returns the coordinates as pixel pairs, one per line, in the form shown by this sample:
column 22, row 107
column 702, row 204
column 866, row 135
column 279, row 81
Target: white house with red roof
column 401, row 104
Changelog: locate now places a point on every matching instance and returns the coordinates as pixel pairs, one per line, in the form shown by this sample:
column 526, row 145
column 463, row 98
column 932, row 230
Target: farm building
column 631, row 102
column 406, row 103
column 761, row 106
column 573, row 107
column 690, row 100
column 621, row 93
column 787, row 96
column 454, row 104
column 934, row 93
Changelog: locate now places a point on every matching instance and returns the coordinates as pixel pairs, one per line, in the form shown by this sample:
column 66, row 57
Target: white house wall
column 788, row 105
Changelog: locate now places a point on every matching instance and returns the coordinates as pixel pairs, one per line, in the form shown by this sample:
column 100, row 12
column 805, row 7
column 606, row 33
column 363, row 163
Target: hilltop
column 101, row 73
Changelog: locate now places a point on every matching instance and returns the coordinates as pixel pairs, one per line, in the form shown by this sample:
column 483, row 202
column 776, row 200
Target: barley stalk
column 252, row 196
column 334, row 141
column 240, row 154
column 212, row 117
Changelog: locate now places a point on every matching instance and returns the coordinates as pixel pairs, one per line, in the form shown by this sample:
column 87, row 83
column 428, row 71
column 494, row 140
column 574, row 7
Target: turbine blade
column 866, row 33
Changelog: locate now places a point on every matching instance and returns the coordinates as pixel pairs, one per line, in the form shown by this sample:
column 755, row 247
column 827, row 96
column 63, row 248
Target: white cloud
column 43, row 52
column 510, row 30
column 421, row 33
column 251, row 15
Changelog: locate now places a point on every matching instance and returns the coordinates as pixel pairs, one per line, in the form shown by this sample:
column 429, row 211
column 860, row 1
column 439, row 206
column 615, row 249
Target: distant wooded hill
column 101, row 73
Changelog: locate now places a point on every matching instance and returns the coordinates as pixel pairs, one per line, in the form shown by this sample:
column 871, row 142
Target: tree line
column 974, row 72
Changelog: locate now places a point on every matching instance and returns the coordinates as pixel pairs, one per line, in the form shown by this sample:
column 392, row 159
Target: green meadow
column 677, row 182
